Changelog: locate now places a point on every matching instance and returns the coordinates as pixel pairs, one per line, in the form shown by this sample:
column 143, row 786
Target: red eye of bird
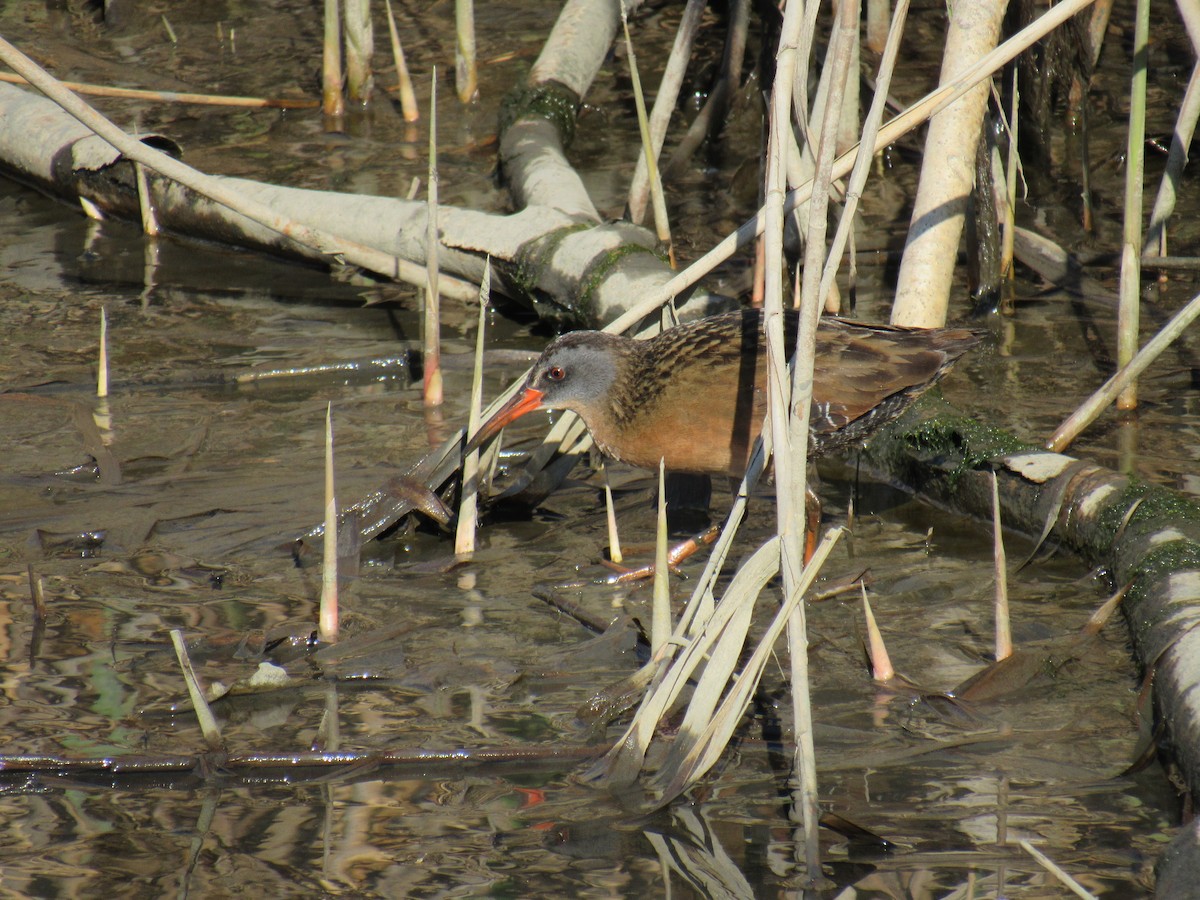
column 556, row 373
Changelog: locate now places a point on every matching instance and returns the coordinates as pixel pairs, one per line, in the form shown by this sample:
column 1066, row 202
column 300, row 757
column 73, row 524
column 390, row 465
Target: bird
column 694, row 396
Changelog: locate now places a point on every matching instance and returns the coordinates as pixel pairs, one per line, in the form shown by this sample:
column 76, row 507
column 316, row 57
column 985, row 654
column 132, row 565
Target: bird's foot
column 676, row 555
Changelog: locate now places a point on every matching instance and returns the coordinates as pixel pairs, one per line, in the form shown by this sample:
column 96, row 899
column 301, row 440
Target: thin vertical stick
column 102, row 362
column 662, row 225
column 327, row 619
column 1004, row 644
column 465, row 75
column 660, row 623
column 1010, row 179
column 1128, row 311
column 145, row 205
column 431, row 335
column 333, row 103
column 408, row 97
column 614, row 539
column 468, row 509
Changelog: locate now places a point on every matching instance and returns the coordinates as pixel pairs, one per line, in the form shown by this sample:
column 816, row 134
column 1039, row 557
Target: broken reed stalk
column 408, row 97
column 1099, row 401
column 102, row 358
column 360, row 47
column 204, row 714
column 665, row 99
column 1129, row 296
column 37, row 594
column 1004, row 644
column 662, row 224
column 333, row 104
column 881, row 662
column 468, row 508
column 104, row 90
column 660, row 622
column 431, row 332
column 327, row 616
column 614, row 539
column 329, row 731
column 466, row 73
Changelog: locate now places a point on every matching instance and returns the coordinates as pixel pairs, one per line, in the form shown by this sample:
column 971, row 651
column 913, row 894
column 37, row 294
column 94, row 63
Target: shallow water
column 191, row 523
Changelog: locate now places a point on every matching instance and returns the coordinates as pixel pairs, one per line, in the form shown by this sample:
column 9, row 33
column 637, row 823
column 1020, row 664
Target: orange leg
column 812, row 523
column 675, row 556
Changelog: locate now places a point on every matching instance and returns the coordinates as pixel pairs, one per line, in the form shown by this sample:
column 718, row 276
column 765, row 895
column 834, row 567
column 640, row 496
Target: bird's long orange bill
column 524, row 401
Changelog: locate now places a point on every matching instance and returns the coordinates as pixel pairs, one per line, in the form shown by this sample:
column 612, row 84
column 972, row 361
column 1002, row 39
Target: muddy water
column 205, row 482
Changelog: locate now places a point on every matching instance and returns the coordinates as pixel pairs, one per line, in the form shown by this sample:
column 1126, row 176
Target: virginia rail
column 695, row 395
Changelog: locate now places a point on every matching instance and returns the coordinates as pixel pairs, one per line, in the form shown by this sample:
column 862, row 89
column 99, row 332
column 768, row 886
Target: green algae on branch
column 550, row 100
column 1161, row 563
column 1155, row 507
column 932, row 426
column 527, row 271
column 599, row 270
